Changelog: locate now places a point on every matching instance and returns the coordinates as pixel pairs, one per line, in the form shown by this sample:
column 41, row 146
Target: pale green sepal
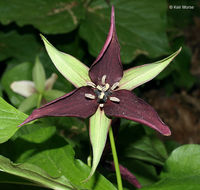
column 39, row 76
column 137, row 76
column 99, row 125
column 71, row 68
column 50, row 95
column 34, row 174
column 29, row 103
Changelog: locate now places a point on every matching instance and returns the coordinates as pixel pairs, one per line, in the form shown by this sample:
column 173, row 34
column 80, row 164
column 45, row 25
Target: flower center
column 103, row 92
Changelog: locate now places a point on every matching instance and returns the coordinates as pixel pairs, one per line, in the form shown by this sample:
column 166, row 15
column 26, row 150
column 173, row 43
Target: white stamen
column 103, row 80
column 91, row 84
column 101, row 95
column 99, row 88
column 90, row 96
column 106, row 87
column 101, row 105
column 114, row 99
column 114, row 86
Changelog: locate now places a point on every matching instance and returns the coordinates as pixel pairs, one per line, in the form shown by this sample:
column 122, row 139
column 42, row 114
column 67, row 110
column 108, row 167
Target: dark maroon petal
column 126, row 175
column 73, row 104
column 133, row 108
column 108, row 61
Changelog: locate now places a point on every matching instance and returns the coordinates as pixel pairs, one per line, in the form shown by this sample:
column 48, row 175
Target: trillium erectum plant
column 103, row 91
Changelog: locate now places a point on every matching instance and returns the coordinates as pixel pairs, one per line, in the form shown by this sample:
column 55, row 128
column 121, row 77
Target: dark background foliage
column 148, row 30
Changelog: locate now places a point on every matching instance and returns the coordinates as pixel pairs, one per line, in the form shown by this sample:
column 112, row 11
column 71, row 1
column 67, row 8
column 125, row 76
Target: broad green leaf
column 34, row 173
column 189, row 183
column 149, row 149
column 184, row 161
column 137, row 76
column 19, row 72
column 181, row 71
column 58, row 16
column 39, row 76
column 181, row 171
column 141, row 27
column 35, row 133
column 56, row 157
column 99, row 125
column 71, row 68
column 10, row 118
column 22, row 47
column 52, row 94
column 29, row 103
column 6, row 179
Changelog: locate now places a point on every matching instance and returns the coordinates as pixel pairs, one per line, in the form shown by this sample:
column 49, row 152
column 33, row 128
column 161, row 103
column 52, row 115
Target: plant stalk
column 39, row 100
column 115, row 158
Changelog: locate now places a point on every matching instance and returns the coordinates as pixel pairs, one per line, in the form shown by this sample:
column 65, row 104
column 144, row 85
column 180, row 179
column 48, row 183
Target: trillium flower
column 37, row 90
column 103, row 91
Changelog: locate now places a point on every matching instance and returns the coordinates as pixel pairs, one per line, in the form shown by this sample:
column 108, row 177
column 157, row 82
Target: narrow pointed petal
column 133, row 108
column 39, row 76
column 71, row 68
column 73, row 104
column 99, row 125
column 108, row 62
column 24, row 87
column 50, row 81
column 137, row 76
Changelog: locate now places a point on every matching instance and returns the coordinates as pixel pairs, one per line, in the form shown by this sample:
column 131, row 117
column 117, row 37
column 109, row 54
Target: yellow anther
column 91, row 84
column 114, row 99
column 100, row 88
column 114, row 86
column 106, row 87
column 90, row 96
column 103, row 80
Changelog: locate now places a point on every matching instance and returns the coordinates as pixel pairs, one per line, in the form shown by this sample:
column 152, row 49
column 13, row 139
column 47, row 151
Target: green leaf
column 141, row 27
column 137, row 76
column 191, row 183
column 52, row 94
column 181, row 69
column 99, row 125
column 10, row 118
column 17, row 73
column 39, row 76
column 58, row 16
column 6, row 179
column 56, row 157
column 28, row 103
column 18, row 46
column 182, row 170
column 148, row 149
column 34, row 173
column 71, row 68
column 184, row 161
column 35, row 133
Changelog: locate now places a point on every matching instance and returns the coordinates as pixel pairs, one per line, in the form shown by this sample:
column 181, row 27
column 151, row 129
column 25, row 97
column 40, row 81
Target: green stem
column 39, row 100
column 115, row 158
